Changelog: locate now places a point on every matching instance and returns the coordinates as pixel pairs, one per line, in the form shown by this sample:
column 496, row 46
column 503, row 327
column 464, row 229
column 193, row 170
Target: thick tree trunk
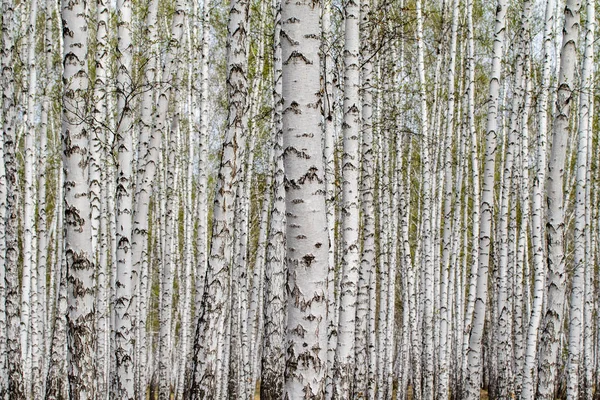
column 81, row 335
column 556, row 282
column 15, row 388
column 307, row 243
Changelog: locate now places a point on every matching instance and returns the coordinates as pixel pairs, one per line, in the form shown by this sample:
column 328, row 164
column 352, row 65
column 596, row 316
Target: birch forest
column 299, row 199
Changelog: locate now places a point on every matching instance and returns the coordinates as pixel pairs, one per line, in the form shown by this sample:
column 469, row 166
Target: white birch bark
column 428, row 267
column 29, row 269
column 14, row 386
column 522, row 276
column 537, row 239
column 127, row 276
column 169, row 74
column 367, row 260
column 470, row 303
column 273, row 354
column 474, row 364
column 78, row 235
column 214, row 308
column 344, row 355
column 306, row 235
column 97, row 178
column 556, row 281
column 56, row 382
column 202, row 192
column 3, row 342
column 329, row 132
column 581, row 253
column 507, row 214
column 591, row 255
column 148, row 144
column 443, row 373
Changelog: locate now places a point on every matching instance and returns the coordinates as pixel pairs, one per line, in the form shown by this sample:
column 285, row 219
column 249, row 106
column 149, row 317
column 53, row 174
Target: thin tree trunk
column 127, row 276
column 537, row 239
column 273, row 355
column 344, row 355
column 474, row 364
column 29, row 342
column 581, row 267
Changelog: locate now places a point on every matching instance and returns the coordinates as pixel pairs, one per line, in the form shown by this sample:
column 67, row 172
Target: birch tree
column 209, row 339
column 306, row 235
column 273, row 356
column 14, row 386
column 581, row 224
column 344, row 355
column 126, row 279
column 556, row 280
column 78, row 250
column 473, row 377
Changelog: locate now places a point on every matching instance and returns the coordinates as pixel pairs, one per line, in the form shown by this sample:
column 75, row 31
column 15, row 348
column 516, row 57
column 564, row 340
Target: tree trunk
column 15, row 388
column 307, row 243
column 556, row 281
column 127, row 276
column 474, row 364
column 213, row 319
column 582, row 252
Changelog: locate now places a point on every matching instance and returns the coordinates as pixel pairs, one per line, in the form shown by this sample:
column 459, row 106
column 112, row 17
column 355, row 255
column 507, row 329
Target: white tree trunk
column 367, row 260
column 582, row 252
column 29, row 343
column 213, row 318
column 474, row 364
column 427, row 261
column 127, row 276
column 344, row 354
column 81, row 335
column 556, row 282
column 148, row 147
column 537, row 238
column 307, row 242
column 273, row 355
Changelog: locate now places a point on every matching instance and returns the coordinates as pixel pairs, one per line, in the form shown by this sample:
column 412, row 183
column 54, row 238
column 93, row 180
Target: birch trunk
column 29, row 342
column 306, row 235
column 474, row 364
column 148, row 146
column 344, row 355
column 81, row 335
column 3, row 342
column 127, row 276
column 273, row 355
column 556, row 282
column 213, row 318
column 202, row 194
column 14, row 386
column 428, row 267
column 367, row 261
column 537, row 239
column 582, row 255
column 443, row 376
